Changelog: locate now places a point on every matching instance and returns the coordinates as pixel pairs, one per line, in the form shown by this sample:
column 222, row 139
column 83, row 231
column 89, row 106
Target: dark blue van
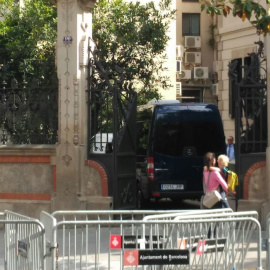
column 179, row 136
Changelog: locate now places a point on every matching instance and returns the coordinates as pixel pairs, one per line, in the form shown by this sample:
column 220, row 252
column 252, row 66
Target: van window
column 196, row 129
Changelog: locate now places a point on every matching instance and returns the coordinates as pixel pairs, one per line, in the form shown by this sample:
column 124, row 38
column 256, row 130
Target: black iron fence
column 28, row 110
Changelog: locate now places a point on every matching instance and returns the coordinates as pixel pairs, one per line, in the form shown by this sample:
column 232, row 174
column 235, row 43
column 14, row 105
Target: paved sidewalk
column 251, row 261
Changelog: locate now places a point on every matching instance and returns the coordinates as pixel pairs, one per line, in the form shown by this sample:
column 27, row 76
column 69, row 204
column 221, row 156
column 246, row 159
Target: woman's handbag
column 211, row 198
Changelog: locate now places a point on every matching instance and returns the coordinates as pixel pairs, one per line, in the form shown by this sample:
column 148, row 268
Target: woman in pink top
column 215, row 178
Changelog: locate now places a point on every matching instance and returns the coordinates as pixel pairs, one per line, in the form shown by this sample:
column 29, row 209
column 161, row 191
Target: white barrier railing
column 95, row 244
column 24, row 240
column 184, row 239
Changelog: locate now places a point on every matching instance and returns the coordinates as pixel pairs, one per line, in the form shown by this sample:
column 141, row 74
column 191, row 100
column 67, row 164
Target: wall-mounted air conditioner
column 178, row 76
column 215, row 89
column 178, row 65
column 192, row 41
column 185, row 74
column 179, row 88
column 192, row 57
column 180, row 51
column 200, row 73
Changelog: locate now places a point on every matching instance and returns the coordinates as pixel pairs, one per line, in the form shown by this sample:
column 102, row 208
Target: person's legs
column 216, row 206
column 224, row 201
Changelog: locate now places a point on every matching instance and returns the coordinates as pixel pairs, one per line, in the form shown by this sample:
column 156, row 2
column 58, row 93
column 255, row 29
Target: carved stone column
column 74, row 28
column 266, row 206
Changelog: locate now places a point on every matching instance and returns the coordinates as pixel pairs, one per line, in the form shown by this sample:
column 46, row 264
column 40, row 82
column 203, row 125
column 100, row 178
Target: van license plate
column 172, row 187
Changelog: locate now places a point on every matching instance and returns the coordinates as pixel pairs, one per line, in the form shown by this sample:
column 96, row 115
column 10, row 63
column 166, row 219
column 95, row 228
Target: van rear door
column 181, row 135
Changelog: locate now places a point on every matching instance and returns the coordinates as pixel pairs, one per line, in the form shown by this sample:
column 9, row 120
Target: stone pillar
column 267, row 53
column 74, row 28
column 266, row 206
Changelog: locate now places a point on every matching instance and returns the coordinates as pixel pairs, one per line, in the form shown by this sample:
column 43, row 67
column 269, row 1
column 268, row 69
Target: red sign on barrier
column 131, row 257
column 212, row 245
column 115, row 241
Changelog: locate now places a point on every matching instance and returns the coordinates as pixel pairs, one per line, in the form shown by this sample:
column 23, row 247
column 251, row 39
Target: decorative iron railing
column 28, row 110
column 248, row 90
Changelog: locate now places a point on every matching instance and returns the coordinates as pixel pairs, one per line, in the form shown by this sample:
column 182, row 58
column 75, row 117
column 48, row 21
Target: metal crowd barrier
column 50, row 220
column 189, row 241
column 220, row 231
column 268, row 241
column 111, row 214
column 24, row 242
column 172, row 216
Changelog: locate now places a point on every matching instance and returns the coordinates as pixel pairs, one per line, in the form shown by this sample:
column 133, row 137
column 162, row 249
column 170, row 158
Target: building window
column 191, row 24
column 192, row 96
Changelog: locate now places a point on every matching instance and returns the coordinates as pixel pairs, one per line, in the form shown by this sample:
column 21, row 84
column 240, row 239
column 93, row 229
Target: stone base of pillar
column 29, row 208
column 253, row 205
column 265, row 211
column 96, row 203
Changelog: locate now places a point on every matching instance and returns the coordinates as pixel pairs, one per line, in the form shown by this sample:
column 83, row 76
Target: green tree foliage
column 27, row 64
column 134, row 37
column 249, row 10
column 27, row 37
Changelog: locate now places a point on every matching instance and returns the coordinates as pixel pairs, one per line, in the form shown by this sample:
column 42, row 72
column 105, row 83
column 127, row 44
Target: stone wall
column 29, row 183
column 27, row 179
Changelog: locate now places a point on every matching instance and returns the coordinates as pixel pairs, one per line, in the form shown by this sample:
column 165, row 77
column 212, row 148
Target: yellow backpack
column 232, row 181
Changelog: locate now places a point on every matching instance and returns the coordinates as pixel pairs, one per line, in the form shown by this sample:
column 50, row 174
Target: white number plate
column 172, row 186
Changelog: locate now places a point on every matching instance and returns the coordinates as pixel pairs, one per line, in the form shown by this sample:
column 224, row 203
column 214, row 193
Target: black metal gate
column 248, row 102
column 112, row 129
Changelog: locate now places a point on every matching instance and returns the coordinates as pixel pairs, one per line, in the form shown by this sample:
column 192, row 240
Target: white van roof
column 163, row 101
column 154, row 102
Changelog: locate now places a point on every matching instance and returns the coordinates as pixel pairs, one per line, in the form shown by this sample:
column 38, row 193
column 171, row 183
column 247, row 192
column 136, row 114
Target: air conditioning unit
column 180, row 51
column 178, row 65
column 192, row 41
column 192, row 57
column 200, row 73
column 179, row 88
column 185, row 74
column 178, row 76
column 215, row 89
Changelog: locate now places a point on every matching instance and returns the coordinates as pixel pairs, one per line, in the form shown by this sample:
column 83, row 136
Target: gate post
column 267, row 51
column 74, row 29
column 266, row 206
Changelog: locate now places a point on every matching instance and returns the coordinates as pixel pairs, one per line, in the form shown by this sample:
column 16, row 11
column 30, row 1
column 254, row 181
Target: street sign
column 130, row 241
column 156, row 257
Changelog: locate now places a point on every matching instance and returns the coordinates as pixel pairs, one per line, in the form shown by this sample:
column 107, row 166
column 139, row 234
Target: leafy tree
column 253, row 11
column 133, row 36
column 27, row 37
column 27, row 54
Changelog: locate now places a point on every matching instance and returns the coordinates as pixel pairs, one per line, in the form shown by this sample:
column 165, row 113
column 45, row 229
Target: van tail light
column 150, row 169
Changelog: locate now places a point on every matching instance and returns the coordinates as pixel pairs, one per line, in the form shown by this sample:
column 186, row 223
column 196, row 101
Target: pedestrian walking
column 213, row 179
column 230, row 148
